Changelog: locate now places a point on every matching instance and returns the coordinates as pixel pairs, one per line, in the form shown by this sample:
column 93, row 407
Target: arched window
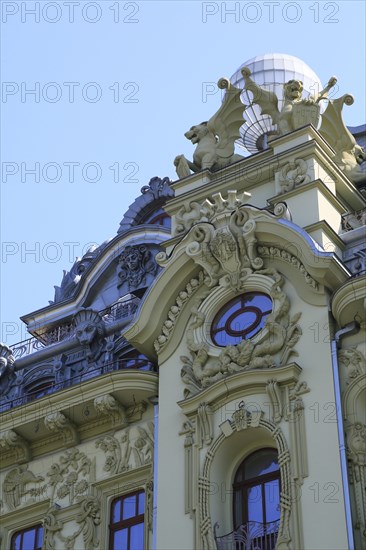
column 257, row 496
column 159, row 217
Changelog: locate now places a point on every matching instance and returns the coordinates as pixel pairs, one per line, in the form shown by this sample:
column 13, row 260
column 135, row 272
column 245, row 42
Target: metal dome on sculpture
column 270, row 71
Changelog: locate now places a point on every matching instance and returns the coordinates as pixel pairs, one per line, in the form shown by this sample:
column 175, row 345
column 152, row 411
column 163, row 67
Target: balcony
column 249, row 536
column 49, row 386
column 117, row 311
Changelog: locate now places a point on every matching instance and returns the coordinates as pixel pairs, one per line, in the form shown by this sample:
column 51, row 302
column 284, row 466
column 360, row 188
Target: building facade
column 198, row 381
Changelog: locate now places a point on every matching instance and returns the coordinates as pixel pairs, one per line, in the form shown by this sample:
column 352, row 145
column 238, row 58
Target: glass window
column 256, row 502
column 241, row 319
column 27, row 539
column 127, row 522
column 135, row 360
column 159, row 217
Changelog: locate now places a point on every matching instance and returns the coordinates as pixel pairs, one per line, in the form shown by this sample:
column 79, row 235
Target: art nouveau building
column 199, row 380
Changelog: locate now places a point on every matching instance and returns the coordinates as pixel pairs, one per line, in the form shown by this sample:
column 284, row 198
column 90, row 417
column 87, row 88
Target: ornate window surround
column 22, row 518
column 124, row 484
column 238, row 306
column 219, row 297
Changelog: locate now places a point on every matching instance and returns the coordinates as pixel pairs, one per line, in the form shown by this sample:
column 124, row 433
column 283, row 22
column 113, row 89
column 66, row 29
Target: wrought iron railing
column 47, row 388
column 252, row 535
column 353, row 220
column 115, row 312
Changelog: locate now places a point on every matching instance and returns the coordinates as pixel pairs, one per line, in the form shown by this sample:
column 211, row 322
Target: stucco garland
column 174, row 312
column 236, row 424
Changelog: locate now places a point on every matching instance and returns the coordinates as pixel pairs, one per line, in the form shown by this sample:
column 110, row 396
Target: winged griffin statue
column 215, row 138
column 298, row 111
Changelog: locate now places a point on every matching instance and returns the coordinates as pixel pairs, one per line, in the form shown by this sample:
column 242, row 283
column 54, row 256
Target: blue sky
column 116, row 84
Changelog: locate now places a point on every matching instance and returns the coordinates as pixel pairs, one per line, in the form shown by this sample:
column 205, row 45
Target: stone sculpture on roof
column 298, row 111
column 215, row 138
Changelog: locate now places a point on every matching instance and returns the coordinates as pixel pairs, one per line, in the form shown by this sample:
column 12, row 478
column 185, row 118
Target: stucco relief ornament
column 134, row 264
column 353, row 361
column 293, row 174
column 71, row 476
column 15, row 486
column 273, row 349
column 215, row 138
column 223, row 242
column 89, row 330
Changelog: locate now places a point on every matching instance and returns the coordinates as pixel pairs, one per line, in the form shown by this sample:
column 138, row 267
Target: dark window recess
column 126, row 528
column 135, row 360
column 27, row 539
column 35, row 391
column 241, row 319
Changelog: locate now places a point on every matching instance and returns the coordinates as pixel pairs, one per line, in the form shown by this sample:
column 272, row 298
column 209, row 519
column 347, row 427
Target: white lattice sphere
column 270, row 71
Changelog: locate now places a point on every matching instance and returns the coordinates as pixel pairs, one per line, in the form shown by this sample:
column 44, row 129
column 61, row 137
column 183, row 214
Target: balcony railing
column 249, row 536
column 115, row 312
column 48, row 387
column 353, row 220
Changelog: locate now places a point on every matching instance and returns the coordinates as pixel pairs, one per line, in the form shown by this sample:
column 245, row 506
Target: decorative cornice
column 123, row 384
column 57, row 422
column 348, row 302
column 278, row 252
column 239, row 385
column 12, row 442
column 107, row 405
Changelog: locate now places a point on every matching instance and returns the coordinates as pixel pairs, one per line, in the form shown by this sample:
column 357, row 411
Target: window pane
column 120, row 540
column 272, row 500
column 260, row 463
column 255, row 509
column 116, row 514
column 28, row 540
column 17, row 542
column 141, row 509
column 137, row 537
column 39, row 537
column 129, row 507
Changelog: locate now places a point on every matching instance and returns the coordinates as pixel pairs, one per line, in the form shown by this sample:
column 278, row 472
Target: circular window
column 241, row 318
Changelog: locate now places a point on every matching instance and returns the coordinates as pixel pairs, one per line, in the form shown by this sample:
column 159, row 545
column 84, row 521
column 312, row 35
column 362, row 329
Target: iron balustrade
column 252, row 535
column 353, row 220
column 47, row 388
column 115, row 312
